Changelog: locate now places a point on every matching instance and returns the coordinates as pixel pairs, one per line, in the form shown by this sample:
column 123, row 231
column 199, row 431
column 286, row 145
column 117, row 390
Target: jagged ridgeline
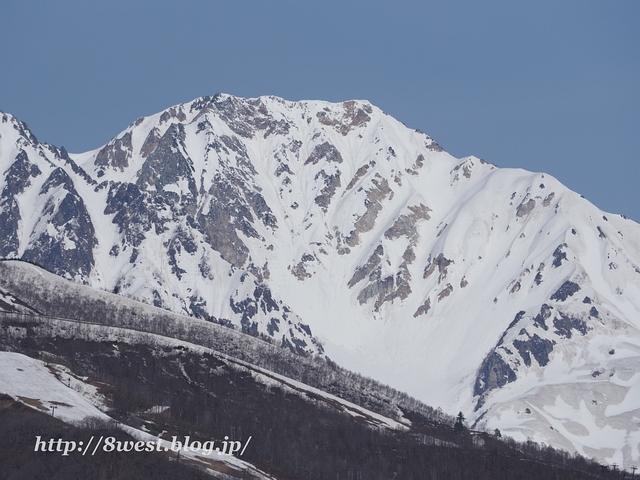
column 335, row 230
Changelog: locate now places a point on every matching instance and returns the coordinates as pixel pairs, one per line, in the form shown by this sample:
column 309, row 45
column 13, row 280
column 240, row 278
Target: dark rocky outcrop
column 66, row 246
column 116, row 153
column 540, row 348
column 565, row 324
column 324, row 151
column 493, row 373
column 566, row 290
column 559, row 255
column 18, row 177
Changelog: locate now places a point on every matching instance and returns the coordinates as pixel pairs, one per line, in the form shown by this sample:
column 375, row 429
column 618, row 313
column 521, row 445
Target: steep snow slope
column 46, row 386
column 468, row 286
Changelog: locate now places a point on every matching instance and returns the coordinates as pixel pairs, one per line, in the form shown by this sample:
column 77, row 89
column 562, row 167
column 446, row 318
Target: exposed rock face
column 353, row 115
column 540, row 348
column 397, row 286
column 559, row 255
column 424, row 308
column 494, row 373
column 324, row 151
column 533, row 339
column 67, row 237
column 406, row 225
column 366, row 269
column 526, row 206
column 168, row 165
column 378, row 192
column 566, row 290
column 128, row 205
column 441, row 263
column 151, row 143
column 116, row 154
column 331, row 184
column 17, row 178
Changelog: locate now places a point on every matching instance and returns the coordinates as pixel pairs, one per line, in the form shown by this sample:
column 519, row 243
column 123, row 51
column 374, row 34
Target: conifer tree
column 459, row 427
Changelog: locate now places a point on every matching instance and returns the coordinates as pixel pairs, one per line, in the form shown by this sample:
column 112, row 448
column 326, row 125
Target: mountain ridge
column 334, row 229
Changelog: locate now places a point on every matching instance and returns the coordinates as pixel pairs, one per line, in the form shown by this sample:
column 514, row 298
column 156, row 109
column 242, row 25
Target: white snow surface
column 40, row 385
column 455, row 249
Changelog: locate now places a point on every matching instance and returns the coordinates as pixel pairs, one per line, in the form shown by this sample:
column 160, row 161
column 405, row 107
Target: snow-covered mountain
column 335, row 229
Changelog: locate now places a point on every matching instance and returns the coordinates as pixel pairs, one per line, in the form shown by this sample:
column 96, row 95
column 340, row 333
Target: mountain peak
column 333, row 229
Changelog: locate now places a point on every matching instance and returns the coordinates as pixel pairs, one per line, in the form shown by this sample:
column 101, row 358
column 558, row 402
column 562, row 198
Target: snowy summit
column 333, row 229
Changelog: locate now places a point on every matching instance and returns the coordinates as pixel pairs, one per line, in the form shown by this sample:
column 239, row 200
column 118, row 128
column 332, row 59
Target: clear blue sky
column 550, row 86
